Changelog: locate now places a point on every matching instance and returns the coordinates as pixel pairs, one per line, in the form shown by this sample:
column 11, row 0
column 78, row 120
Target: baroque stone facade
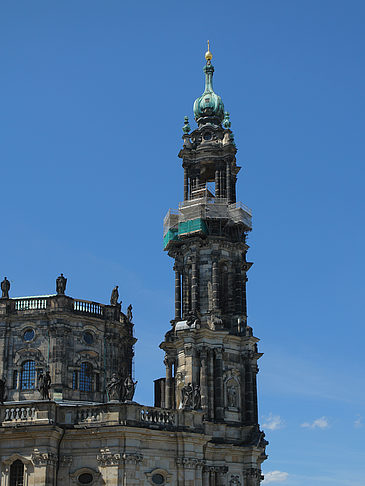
column 67, row 415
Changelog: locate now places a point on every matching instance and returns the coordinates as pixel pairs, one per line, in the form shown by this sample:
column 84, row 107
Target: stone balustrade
column 59, row 303
column 157, row 416
column 24, row 412
column 127, row 414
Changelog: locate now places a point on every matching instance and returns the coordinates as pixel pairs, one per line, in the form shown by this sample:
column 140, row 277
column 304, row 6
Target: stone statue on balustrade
column 2, row 390
column 5, row 287
column 115, row 296
column 129, row 387
column 129, row 313
column 61, row 282
column 44, row 385
column 114, row 388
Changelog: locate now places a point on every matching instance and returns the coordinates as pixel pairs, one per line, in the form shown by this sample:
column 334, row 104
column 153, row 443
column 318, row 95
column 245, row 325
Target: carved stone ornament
column 190, row 462
column 43, row 458
column 234, row 481
column 253, row 473
column 107, row 458
column 216, row 469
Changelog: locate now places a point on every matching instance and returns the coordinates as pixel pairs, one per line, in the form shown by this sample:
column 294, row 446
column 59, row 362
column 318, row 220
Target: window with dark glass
column 86, row 377
column 28, row 375
column 17, row 473
column 15, row 379
column 88, row 337
column 74, row 380
column 97, row 382
column 158, row 479
column 28, row 335
column 85, row 478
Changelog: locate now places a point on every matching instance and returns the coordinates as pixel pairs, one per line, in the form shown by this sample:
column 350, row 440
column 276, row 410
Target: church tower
column 210, row 352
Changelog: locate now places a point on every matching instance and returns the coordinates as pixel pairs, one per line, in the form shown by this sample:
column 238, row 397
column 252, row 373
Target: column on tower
column 218, row 384
column 223, row 181
column 186, row 184
column 234, row 181
column 169, row 382
column 203, row 355
column 215, row 285
column 250, row 389
column 177, row 293
column 228, row 182
column 210, row 367
column 194, row 285
column 230, row 286
column 186, row 291
column 238, row 287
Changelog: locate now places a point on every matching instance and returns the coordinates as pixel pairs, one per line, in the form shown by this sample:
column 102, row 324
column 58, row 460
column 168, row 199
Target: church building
column 67, row 414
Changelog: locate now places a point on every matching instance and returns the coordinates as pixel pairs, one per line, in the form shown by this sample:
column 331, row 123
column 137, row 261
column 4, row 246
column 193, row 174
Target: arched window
column 17, row 473
column 86, row 377
column 28, row 375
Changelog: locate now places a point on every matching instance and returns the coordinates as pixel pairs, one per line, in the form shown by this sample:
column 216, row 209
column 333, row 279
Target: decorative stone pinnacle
column 226, row 122
column 186, row 127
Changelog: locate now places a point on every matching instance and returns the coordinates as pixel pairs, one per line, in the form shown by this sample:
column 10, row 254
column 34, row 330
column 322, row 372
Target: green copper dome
column 209, row 104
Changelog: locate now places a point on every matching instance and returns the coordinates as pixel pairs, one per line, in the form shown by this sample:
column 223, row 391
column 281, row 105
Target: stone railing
column 126, row 414
column 157, row 416
column 17, row 414
column 60, row 303
column 88, row 307
column 22, row 413
column 31, row 303
column 89, row 414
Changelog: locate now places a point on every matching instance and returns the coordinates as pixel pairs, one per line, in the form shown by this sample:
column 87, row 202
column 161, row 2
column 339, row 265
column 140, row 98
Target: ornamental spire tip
column 208, row 54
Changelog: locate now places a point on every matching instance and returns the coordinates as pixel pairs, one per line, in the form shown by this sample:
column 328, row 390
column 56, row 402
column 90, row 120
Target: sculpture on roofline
column 113, row 388
column 5, row 287
column 115, row 296
column 44, row 384
column 61, row 282
column 129, row 313
column 129, row 388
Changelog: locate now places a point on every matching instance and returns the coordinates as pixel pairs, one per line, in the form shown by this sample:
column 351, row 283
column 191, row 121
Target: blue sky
column 93, row 96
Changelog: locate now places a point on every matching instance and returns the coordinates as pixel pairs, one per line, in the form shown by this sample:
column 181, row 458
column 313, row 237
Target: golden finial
column 208, row 54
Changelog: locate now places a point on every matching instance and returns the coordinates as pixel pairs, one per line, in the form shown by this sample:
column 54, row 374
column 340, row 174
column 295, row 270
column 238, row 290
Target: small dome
column 209, row 104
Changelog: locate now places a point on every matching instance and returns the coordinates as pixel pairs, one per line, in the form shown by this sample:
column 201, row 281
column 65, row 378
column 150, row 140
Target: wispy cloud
column 319, row 423
column 273, row 422
column 284, row 374
column 275, row 477
column 358, row 422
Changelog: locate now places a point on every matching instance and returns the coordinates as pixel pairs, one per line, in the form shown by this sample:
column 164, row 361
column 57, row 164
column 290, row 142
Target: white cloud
column 273, row 422
column 358, row 422
column 319, row 423
column 275, row 477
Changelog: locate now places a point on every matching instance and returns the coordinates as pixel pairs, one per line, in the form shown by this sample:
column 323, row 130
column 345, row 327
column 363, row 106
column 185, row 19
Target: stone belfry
column 210, row 352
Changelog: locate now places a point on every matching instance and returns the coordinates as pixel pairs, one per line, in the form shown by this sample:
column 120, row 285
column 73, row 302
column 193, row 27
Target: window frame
column 28, row 375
